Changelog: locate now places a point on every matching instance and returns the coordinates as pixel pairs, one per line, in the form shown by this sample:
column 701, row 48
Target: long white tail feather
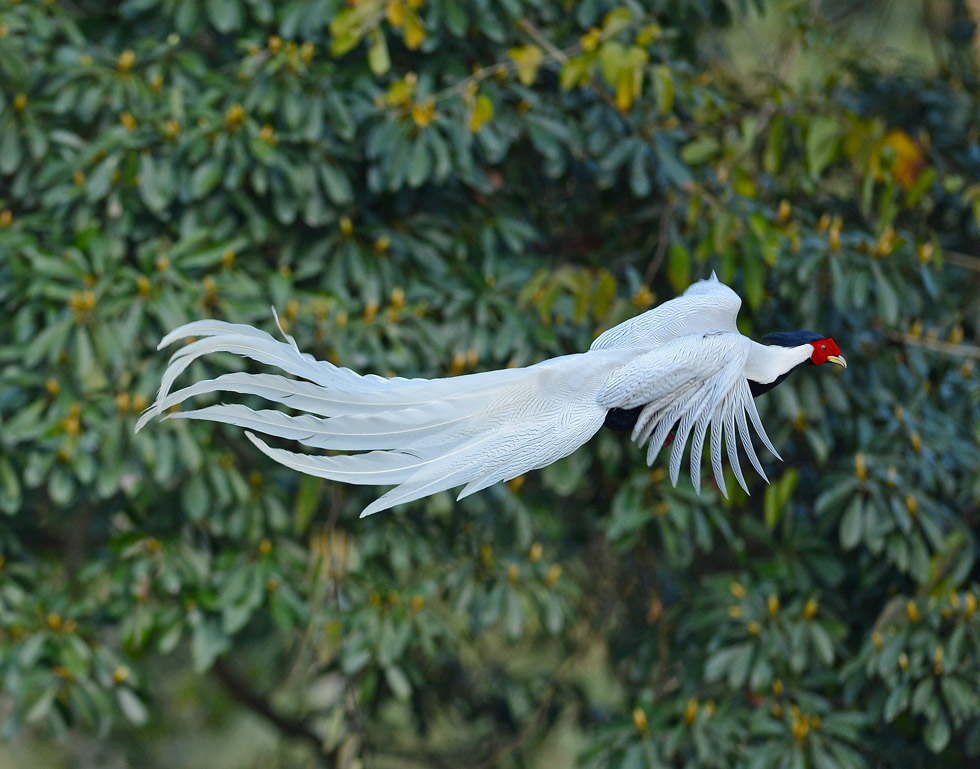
column 428, row 435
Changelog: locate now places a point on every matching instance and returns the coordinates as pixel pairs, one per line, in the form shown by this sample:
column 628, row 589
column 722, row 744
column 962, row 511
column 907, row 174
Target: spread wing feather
column 687, row 385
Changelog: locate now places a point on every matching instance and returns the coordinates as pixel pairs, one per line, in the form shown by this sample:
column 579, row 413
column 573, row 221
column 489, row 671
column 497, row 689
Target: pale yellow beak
column 838, row 359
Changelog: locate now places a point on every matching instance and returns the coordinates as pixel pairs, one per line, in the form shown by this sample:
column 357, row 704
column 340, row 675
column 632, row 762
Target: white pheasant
column 682, row 367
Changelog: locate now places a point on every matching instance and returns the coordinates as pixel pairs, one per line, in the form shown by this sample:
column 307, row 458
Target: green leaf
column 398, row 682
column 937, row 734
column 378, row 58
column 226, row 15
column 131, row 706
column 678, row 266
column 205, row 178
column 822, row 140
column 852, row 524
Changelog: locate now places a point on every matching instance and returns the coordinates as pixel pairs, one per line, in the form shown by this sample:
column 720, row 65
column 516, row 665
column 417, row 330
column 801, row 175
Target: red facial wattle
column 826, row 350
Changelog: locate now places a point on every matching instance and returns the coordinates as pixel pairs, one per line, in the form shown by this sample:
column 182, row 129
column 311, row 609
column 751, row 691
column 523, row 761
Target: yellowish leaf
column 414, row 31
column 528, row 59
column 482, row 113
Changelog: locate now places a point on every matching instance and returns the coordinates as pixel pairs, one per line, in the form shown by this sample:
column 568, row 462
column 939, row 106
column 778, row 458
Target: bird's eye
column 823, row 348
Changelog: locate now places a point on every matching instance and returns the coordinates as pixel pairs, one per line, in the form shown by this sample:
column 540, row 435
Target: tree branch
column 254, row 701
column 934, row 345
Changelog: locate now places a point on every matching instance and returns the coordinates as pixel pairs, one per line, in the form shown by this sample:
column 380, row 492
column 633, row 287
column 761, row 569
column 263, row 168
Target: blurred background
column 435, row 187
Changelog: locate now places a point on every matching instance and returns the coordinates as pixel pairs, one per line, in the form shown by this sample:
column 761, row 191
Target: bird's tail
column 421, row 435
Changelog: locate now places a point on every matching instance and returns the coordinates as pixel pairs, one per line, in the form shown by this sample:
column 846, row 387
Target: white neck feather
column 767, row 363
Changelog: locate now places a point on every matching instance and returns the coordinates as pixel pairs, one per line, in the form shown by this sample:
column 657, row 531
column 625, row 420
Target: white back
column 708, row 305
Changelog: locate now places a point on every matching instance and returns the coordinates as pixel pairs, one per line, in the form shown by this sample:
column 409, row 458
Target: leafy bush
column 431, row 189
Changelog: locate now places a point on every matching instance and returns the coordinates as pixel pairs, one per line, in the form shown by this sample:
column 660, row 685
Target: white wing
column 708, row 305
column 690, row 384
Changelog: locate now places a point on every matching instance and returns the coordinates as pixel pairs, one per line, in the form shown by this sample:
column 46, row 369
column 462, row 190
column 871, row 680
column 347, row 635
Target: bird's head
column 825, row 349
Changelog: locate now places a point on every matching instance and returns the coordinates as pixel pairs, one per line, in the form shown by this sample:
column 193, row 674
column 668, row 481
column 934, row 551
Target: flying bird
column 680, row 368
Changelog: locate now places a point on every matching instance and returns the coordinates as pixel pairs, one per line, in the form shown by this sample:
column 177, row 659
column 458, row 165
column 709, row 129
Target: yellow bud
column 234, row 116
column 753, row 628
column 590, row 40
column 346, row 226
column 126, row 60
column 306, row 52
column 122, row 402
column 801, row 727
column 423, row 113
column 341, row 319
column 417, row 602
column 691, row 710
column 915, row 330
column 784, row 211
column 937, row 657
column 823, row 223
column 737, row 590
column 512, row 573
column 776, row 710
column 810, row 609
column 391, row 598
column 395, row 13
column 272, row 584
column 553, row 574
column 925, row 252
column 892, row 476
column 139, row 402
column 79, row 178
column 52, row 386
column 709, row 709
column 777, row 687
column 120, row 674
column 459, row 362
column 255, row 479
column 156, row 83
column 163, row 263
column 640, row 719
column 20, row 101
column 265, row 547
column 912, row 504
column 970, row 604
column 374, row 599
column 912, row 610
column 381, row 244
column 268, row 134
column 903, row 661
column 370, row 311
column 535, row 554
column 833, row 235
column 275, row 44
column 916, row 441
column 954, row 599
column 643, row 297
column 773, row 604
column 128, row 121
column 54, row 621
column 735, row 612
column 398, row 297
column 860, row 466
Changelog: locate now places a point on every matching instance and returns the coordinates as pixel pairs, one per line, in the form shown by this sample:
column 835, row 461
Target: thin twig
column 255, row 702
column 554, row 54
column 541, row 40
column 661, row 252
column 934, row 345
column 962, row 260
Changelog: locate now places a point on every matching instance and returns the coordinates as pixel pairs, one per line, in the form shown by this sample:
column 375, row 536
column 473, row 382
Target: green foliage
column 436, row 188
